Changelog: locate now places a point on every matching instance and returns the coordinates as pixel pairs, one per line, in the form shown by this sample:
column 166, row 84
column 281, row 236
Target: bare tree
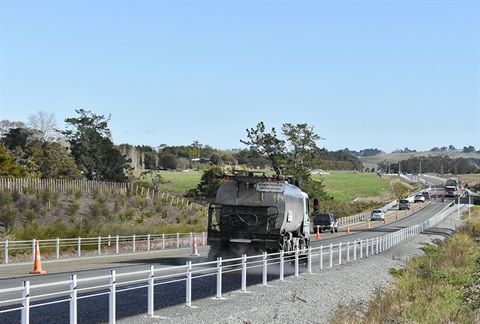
column 45, row 123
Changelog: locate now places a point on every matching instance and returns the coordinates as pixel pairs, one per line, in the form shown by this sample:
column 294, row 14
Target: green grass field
column 180, row 181
column 346, row 186
column 343, row 186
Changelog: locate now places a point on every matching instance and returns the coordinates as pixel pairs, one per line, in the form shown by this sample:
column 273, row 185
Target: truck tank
column 254, row 213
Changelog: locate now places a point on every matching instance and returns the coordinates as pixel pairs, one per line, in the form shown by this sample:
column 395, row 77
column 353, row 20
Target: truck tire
column 336, row 229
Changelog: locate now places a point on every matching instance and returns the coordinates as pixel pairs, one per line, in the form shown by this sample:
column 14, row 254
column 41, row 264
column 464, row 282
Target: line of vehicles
column 255, row 213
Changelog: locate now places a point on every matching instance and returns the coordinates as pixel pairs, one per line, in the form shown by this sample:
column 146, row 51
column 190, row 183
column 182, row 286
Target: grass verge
column 443, row 286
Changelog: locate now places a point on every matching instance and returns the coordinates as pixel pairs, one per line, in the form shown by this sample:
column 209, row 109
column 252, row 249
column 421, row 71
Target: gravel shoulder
column 310, row 298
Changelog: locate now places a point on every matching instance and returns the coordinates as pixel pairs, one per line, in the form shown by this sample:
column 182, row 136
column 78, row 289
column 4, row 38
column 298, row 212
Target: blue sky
column 365, row 74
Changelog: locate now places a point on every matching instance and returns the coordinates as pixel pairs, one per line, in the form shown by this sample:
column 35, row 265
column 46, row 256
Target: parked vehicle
column 404, row 204
column 426, row 194
column 419, row 198
column 377, row 214
column 326, row 221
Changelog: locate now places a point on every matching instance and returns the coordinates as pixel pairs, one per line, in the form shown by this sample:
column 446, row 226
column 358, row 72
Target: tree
column 93, row 150
column 54, row 162
column 469, row 149
column 168, row 161
column 268, row 144
column 209, row 184
column 45, row 123
column 301, row 141
column 6, row 125
column 297, row 162
column 8, row 168
column 21, row 138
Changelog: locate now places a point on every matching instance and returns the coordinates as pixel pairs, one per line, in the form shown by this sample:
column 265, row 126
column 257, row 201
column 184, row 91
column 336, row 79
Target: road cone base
column 38, row 272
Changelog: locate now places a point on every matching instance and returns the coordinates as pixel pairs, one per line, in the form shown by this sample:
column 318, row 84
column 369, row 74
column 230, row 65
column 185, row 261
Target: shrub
column 5, row 198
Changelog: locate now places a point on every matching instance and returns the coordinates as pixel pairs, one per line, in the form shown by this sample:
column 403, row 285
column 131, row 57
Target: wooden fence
column 90, row 186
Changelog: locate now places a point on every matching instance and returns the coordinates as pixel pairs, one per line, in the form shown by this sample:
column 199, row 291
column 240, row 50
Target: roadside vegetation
column 443, row 286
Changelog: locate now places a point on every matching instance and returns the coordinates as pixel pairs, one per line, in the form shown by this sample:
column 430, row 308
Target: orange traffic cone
column 348, row 229
column 384, row 220
column 37, row 265
column 195, row 247
column 368, row 226
column 318, row 233
column 396, row 216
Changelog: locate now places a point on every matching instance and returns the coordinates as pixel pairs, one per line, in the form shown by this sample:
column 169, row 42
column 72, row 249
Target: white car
column 419, row 198
column 377, row 214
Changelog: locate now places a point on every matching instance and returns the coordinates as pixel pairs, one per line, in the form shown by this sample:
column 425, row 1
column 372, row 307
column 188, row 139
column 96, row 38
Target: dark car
column 326, row 221
column 404, row 204
column 426, row 194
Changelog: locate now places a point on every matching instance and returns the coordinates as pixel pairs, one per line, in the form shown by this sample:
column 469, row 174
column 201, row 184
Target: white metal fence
column 111, row 244
column 316, row 258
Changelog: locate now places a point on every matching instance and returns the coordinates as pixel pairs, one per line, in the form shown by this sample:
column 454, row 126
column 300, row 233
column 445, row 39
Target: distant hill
column 371, row 161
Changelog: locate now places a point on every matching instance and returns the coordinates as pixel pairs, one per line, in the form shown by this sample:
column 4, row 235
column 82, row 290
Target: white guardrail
column 109, row 285
column 101, row 245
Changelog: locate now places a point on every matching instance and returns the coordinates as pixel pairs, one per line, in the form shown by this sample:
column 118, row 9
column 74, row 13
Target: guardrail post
column 203, row 238
column 340, row 253
column 321, row 257
column 178, row 240
column 330, row 263
column 219, row 277
column 355, row 250
column 73, row 299
column 25, row 317
column 57, row 248
column 348, row 251
column 189, row 284
column 134, row 243
column 6, row 252
column 309, row 260
column 378, row 245
column 296, row 262
column 79, row 247
column 190, row 240
column 264, row 271
column 244, row 272
column 99, row 245
column 361, row 249
column 366, row 249
column 116, row 244
column 148, row 242
column 112, row 302
column 151, row 291
column 34, row 241
column 109, row 237
column 163, row 241
column 282, row 264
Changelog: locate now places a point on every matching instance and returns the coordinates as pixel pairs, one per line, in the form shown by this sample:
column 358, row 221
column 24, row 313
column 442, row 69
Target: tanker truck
column 255, row 213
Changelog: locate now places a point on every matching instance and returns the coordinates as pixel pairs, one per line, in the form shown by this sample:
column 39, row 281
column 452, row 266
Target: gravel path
column 310, row 298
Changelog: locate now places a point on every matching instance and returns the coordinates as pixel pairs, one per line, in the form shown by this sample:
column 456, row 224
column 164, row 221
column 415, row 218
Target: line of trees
column 431, row 164
column 83, row 151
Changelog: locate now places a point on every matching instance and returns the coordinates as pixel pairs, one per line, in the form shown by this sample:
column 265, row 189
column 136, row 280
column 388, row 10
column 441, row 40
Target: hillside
column 371, row 161
column 43, row 214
